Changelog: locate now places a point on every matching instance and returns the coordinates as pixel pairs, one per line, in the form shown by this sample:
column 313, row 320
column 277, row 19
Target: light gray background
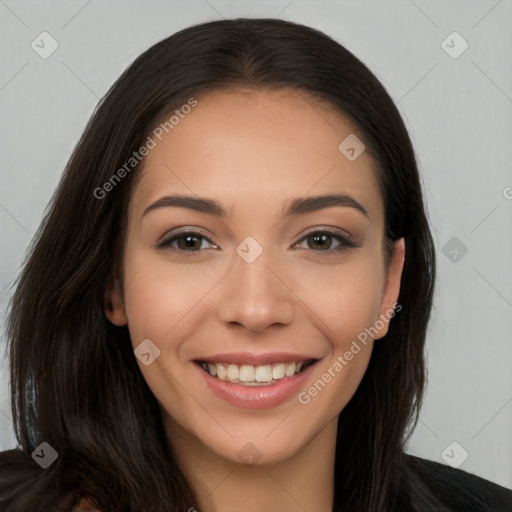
column 458, row 112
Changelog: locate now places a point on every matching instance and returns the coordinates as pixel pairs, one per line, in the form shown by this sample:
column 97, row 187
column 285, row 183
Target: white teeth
column 278, row 371
column 221, row 371
column 247, row 373
column 289, row 369
column 232, row 372
column 252, row 375
column 264, row 373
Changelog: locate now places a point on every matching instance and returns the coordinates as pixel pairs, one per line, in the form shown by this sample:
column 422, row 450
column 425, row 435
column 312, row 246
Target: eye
column 190, row 243
column 322, row 241
column 187, row 242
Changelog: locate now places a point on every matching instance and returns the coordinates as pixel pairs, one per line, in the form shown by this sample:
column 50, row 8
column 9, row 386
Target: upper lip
column 255, row 359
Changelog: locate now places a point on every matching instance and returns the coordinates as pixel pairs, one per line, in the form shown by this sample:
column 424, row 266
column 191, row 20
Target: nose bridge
column 253, row 293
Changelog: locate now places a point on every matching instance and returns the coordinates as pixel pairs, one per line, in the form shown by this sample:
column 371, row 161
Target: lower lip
column 257, row 397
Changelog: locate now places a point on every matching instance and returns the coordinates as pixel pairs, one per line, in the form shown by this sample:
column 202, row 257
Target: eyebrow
column 297, row 206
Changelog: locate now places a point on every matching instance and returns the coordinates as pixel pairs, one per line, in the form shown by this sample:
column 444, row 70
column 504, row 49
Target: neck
column 304, row 481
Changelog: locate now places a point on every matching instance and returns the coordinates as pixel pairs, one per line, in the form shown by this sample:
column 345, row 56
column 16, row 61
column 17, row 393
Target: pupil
column 323, row 237
column 189, row 241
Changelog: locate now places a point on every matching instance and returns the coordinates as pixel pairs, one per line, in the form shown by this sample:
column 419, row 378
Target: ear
column 391, row 289
column 114, row 303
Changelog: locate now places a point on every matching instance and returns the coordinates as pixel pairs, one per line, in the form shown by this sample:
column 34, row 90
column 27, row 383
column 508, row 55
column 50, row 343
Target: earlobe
column 391, row 288
column 114, row 303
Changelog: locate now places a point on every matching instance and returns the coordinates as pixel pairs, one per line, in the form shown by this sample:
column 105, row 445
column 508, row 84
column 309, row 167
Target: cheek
column 345, row 298
column 345, row 302
column 159, row 295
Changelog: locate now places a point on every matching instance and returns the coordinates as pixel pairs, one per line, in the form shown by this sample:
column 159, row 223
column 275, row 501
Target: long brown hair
column 75, row 382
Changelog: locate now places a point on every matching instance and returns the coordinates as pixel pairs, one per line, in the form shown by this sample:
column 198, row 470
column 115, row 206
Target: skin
column 254, row 151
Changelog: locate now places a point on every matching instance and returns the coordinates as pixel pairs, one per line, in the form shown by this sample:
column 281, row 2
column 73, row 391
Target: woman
column 226, row 305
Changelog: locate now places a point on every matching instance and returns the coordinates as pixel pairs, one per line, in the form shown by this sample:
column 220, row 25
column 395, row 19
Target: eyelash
column 345, row 242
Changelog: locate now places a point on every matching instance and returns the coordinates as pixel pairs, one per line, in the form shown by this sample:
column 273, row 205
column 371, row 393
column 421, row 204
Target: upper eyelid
column 332, row 230
column 170, row 235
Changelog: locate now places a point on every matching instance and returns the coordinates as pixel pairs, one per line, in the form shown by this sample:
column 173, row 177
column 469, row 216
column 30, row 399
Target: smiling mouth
column 251, row 375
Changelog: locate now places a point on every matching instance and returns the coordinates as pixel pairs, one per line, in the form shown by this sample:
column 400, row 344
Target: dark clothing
column 436, row 487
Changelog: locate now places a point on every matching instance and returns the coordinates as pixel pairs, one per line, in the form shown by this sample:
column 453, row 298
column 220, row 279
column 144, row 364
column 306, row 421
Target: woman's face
column 259, row 287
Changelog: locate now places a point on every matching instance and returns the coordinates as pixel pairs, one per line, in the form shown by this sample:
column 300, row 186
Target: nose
column 256, row 295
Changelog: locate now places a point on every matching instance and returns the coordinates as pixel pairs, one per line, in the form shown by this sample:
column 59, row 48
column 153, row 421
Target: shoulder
column 453, row 490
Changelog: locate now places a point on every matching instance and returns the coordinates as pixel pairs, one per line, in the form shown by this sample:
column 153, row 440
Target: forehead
column 243, row 146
